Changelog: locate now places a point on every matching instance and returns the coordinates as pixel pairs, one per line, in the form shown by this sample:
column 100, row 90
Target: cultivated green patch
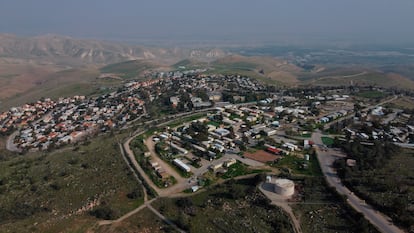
column 239, row 169
column 128, row 69
column 298, row 165
column 371, row 94
column 327, row 141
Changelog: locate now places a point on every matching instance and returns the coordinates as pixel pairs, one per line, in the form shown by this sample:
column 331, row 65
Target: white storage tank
column 284, row 187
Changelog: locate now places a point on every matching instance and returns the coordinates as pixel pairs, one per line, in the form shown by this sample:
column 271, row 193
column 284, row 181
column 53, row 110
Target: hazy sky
column 387, row 21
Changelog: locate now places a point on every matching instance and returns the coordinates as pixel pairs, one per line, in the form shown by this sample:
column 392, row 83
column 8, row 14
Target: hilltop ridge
column 65, row 50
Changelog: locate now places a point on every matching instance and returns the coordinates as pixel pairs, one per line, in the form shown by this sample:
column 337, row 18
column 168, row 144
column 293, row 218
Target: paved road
column 326, row 159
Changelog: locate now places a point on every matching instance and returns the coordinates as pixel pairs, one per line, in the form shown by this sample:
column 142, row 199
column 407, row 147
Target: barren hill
column 75, row 52
column 269, row 68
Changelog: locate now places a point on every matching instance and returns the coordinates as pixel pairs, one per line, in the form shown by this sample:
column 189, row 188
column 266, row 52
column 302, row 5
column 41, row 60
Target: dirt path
column 281, row 202
column 144, row 190
column 130, row 155
column 154, row 156
column 10, row 143
column 162, row 192
column 147, row 204
column 129, row 214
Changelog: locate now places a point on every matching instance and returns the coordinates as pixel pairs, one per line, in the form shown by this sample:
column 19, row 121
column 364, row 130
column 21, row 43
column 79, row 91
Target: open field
column 261, row 156
column 239, row 169
column 371, row 94
column 55, row 192
column 18, row 76
column 190, row 64
column 322, row 210
column 144, row 221
column 375, row 78
column 266, row 69
column 402, row 102
column 297, row 165
column 59, row 84
column 26, row 82
column 130, row 69
column 236, row 206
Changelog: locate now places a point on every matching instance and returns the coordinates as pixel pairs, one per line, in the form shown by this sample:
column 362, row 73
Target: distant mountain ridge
column 76, row 52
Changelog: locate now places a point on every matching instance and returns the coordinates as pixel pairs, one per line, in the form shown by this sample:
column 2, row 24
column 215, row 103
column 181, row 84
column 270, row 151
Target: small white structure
column 290, row 146
column 283, row 187
column 378, row 111
column 306, row 144
column 195, row 188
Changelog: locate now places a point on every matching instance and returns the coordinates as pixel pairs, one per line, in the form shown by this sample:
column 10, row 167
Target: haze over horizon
column 297, row 22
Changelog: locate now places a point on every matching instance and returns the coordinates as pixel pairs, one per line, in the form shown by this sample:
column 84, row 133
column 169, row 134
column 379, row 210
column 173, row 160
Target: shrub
column 104, row 212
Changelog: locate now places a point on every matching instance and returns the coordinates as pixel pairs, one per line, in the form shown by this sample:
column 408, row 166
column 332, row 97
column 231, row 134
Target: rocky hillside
column 74, row 52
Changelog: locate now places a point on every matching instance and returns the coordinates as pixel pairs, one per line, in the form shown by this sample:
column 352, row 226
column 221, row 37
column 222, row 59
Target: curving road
column 147, row 203
column 326, row 157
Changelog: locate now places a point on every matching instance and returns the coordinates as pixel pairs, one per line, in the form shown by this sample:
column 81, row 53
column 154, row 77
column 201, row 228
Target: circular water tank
column 284, row 187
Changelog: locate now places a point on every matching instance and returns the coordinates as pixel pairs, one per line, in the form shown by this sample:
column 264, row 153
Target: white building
column 180, row 164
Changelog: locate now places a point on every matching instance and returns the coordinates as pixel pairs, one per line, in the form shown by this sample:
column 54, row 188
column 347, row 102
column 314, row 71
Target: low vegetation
column 144, row 221
column 65, row 190
column 296, row 165
column 321, row 209
column 236, row 206
column 239, row 169
column 373, row 94
column 129, row 69
column 383, row 177
column 327, row 141
column 139, row 149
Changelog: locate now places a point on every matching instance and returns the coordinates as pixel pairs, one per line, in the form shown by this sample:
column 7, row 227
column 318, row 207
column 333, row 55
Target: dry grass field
column 267, row 69
column 18, row 76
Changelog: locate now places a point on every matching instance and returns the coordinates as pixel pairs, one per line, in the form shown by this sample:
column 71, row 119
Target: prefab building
column 180, row 164
column 178, row 148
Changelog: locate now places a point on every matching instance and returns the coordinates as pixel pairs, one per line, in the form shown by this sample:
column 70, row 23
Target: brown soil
column 261, row 156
